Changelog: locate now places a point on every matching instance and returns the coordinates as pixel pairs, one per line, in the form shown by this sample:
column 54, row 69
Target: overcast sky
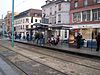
column 20, row 5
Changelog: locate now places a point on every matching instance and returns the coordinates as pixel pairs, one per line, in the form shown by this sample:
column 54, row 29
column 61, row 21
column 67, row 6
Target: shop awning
column 60, row 27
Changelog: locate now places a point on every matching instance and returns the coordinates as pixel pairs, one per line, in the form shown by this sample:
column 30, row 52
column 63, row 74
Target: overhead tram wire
column 15, row 6
column 21, row 3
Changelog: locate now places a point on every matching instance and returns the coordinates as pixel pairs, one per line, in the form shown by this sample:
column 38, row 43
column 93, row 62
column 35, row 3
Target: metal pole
column 12, row 23
column 2, row 27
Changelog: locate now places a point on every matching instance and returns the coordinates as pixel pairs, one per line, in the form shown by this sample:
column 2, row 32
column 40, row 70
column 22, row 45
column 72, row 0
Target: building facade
column 26, row 19
column 85, row 17
column 1, row 26
column 56, row 13
column 8, row 20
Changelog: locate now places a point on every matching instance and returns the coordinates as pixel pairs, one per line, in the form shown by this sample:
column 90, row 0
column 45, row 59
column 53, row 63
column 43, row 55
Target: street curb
column 63, row 50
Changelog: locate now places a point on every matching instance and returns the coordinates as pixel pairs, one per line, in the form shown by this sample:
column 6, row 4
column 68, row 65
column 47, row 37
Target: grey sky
column 20, row 5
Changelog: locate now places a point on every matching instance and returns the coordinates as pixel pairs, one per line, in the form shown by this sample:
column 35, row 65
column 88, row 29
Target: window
column 86, row 15
column 95, row 14
column 85, row 2
column 35, row 20
column 31, row 26
column 23, row 21
column 14, row 28
column 76, row 4
column 94, row 0
column 55, row 12
column 23, row 26
column 35, row 15
column 65, row 33
column 31, row 19
column 77, row 17
column 26, row 26
column 55, row 20
column 51, row 11
column 40, row 21
column 98, row 1
column 27, row 20
column 59, row 7
column 98, row 14
column 59, row 18
column 44, row 14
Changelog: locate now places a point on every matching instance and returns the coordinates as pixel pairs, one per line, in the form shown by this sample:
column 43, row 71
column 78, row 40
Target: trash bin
column 85, row 43
column 91, row 44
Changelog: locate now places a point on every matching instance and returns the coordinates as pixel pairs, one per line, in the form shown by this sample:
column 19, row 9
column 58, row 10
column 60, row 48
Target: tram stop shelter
column 48, row 30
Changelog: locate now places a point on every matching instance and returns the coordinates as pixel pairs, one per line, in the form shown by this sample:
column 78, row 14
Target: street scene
column 50, row 37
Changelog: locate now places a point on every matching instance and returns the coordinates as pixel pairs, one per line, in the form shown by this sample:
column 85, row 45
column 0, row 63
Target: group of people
column 81, row 42
column 53, row 40
column 39, row 38
column 20, row 36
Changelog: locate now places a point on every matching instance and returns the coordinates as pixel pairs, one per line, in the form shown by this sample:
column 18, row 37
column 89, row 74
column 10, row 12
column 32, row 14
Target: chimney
column 53, row 0
column 48, row 1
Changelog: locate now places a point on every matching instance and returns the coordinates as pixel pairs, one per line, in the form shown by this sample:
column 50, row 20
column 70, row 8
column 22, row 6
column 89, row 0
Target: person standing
column 27, row 36
column 78, row 40
column 98, row 42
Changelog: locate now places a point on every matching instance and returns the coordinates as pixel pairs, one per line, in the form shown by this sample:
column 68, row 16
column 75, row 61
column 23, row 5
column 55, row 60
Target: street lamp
column 12, row 23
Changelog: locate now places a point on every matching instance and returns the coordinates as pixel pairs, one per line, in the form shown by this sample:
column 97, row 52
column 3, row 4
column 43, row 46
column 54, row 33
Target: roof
column 51, row 2
column 25, row 13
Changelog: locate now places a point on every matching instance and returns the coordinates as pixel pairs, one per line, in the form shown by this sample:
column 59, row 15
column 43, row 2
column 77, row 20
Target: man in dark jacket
column 98, row 42
column 78, row 40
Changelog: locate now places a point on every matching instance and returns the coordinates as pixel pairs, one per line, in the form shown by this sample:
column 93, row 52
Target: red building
column 85, row 17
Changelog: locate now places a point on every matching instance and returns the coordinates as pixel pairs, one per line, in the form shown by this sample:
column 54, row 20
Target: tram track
column 29, row 59
column 57, row 57
column 24, row 47
column 7, row 60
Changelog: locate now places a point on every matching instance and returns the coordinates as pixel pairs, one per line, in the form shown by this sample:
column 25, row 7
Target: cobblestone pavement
column 7, row 68
column 70, row 64
column 29, row 66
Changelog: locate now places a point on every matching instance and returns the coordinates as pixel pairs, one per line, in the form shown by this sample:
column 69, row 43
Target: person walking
column 98, row 42
column 78, row 40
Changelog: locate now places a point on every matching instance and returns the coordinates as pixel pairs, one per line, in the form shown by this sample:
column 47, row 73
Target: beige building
column 8, row 20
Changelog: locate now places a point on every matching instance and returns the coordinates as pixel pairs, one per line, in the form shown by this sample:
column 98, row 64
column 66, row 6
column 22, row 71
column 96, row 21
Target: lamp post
column 12, row 23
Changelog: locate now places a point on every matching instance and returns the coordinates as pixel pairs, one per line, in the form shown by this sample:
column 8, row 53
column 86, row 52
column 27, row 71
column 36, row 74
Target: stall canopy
column 64, row 27
column 39, row 26
column 42, row 26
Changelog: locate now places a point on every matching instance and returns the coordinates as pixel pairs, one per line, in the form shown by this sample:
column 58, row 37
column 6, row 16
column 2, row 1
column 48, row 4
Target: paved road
column 7, row 68
column 66, row 63
column 29, row 66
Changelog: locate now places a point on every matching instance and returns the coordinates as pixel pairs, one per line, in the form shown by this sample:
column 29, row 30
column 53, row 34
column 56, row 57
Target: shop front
column 88, row 31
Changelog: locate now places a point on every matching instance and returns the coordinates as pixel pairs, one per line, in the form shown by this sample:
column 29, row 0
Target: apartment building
column 56, row 13
column 85, row 17
column 8, row 20
column 26, row 19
